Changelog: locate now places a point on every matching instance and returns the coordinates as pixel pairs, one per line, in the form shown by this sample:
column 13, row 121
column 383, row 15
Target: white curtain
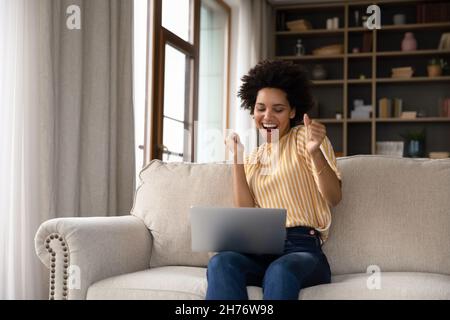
column 66, row 125
column 252, row 37
column 21, row 149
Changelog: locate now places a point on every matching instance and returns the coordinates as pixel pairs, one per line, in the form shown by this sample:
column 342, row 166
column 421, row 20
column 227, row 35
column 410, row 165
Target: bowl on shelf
column 329, row 50
column 299, row 25
column 399, row 18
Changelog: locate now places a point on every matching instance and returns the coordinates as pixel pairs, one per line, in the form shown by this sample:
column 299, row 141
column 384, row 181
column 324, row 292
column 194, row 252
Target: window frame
column 158, row 37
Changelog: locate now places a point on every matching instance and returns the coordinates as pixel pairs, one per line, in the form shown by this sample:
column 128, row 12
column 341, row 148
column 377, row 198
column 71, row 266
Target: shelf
column 366, row 55
column 359, row 81
column 327, row 82
column 381, row 80
column 311, row 57
column 312, row 6
column 414, row 79
column 358, row 29
column 425, row 119
column 350, row 120
column 411, row 53
column 407, row 26
column 415, row 26
column 330, row 120
column 360, row 55
column 312, row 32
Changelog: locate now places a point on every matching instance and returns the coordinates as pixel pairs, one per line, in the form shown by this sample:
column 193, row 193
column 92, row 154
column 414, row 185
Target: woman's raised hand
column 315, row 134
column 233, row 143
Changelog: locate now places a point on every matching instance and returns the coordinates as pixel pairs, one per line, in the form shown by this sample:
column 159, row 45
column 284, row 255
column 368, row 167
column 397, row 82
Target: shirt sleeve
column 246, row 161
column 249, row 160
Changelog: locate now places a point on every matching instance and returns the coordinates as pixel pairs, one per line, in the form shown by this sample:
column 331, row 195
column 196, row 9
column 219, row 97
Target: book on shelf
column 367, row 42
column 398, row 106
column 384, row 108
column 281, row 22
column 439, row 155
column 445, row 108
column 433, row 12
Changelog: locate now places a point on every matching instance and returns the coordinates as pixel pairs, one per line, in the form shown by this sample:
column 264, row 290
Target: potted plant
column 435, row 67
column 414, row 143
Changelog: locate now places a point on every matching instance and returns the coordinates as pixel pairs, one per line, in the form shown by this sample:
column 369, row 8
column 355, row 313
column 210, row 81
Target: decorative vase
column 415, row 148
column 409, row 43
column 434, row 70
column 319, row 72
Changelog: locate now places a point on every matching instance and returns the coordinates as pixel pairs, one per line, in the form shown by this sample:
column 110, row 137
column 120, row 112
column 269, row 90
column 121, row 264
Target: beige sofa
column 394, row 220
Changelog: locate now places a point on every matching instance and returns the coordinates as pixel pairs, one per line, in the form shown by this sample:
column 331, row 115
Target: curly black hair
column 283, row 75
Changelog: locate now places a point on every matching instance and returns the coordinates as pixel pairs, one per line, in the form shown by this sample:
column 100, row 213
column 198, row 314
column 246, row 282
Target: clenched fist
column 233, row 143
column 315, row 134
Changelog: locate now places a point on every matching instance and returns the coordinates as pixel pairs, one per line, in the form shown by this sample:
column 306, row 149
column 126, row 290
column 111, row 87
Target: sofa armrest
column 81, row 251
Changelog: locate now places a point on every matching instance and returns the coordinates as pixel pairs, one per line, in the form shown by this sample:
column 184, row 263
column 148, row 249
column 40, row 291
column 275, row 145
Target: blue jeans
column 302, row 264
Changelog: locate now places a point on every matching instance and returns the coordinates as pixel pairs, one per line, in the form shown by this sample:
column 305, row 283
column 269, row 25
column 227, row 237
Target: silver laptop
column 246, row 230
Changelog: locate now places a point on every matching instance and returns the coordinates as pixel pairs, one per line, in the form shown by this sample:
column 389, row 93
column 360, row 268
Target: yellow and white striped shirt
column 291, row 181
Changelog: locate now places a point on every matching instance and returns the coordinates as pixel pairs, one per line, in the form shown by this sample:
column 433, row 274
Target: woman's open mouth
column 269, row 126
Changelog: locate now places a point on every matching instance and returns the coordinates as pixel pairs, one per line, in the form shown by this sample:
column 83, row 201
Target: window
column 213, row 81
column 176, row 17
column 176, row 88
column 178, row 118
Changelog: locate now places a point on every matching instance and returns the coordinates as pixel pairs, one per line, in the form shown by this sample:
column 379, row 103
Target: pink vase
column 409, row 43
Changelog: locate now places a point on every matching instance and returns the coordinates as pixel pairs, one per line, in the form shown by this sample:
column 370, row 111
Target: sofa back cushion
column 163, row 199
column 395, row 214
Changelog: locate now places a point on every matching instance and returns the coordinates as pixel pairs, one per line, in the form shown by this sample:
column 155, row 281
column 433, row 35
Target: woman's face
column 272, row 111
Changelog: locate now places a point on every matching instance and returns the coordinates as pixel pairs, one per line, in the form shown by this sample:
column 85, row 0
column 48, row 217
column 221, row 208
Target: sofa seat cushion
column 163, row 283
column 186, row 283
column 393, row 286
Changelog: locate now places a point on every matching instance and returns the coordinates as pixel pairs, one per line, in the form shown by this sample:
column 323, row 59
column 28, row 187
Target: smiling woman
column 301, row 177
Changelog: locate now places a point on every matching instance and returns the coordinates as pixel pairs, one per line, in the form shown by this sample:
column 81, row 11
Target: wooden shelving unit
column 366, row 74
